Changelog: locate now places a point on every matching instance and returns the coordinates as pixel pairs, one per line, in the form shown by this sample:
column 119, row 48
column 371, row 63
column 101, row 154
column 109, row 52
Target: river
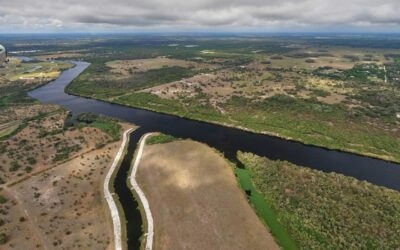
column 226, row 140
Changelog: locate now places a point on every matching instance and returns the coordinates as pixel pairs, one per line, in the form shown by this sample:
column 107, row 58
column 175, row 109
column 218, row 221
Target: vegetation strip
column 264, row 210
column 108, row 195
column 142, row 197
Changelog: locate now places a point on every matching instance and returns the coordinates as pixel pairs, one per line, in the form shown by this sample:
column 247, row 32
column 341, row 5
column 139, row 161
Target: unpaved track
column 109, row 198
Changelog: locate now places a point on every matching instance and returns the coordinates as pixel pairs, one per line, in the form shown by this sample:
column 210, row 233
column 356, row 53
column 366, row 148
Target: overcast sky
column 199, row 15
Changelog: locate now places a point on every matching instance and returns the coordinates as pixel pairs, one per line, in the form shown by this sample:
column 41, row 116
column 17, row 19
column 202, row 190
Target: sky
column 44, row 16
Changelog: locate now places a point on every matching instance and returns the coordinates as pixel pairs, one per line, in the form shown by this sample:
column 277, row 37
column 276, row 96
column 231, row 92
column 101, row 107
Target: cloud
column 278, row 15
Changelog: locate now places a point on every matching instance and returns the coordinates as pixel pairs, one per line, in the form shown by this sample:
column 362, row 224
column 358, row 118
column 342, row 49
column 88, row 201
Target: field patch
column 197, row 205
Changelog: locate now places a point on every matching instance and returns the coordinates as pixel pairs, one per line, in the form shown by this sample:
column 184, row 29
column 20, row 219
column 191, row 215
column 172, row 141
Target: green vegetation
column 107, row 85
column 3, row 199
column 190, row 107
column 20, row 77
column 308, row 121
column 336, row 93
column 31, row 160
column 326, row 211
column 314, row 123
column 3, row 238
column 64, row 151
column 18, row 97
column 160, row 138
column 108, row 125
column 9, row 130
column 264, row 211
column 14, row 166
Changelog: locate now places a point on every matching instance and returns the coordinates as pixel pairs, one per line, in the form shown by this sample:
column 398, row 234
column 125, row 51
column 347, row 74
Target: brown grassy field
column 52, row 167
column 261, row 80
column 126, row 67
column 63, row 208
column 43, row 143
column 52, row 177
column 195, row 200
column 69, row 54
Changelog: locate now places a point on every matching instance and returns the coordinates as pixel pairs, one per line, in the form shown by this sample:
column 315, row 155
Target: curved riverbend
column 225, row 139
column 145, row 203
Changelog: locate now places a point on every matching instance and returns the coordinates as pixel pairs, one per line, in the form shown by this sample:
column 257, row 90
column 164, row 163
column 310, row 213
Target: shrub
column 161, row 138
column 3, row 199
column 14, row 166
column 3, row 238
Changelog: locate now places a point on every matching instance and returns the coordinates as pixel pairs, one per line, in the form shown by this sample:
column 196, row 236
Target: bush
column 108, row 125
column 3, row 199
column 14, row 166
column 161, row 138
column 3, row 238
column 31, row 160
column 327, row 210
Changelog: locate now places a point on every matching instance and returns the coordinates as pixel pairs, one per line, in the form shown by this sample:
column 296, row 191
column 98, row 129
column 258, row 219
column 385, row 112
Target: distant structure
column 3, row 55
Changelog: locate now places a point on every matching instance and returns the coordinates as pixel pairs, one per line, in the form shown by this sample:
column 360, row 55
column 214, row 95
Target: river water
column 226, row 140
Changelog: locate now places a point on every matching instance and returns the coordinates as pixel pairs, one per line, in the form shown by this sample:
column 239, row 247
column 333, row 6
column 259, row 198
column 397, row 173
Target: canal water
column 226, row 140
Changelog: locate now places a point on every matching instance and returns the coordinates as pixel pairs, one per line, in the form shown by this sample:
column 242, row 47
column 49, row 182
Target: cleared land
column 197, row 205
column 127, row 67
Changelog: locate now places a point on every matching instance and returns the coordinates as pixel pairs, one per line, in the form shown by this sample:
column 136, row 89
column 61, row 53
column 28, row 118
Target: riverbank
column 221, row 121
column 226, row 140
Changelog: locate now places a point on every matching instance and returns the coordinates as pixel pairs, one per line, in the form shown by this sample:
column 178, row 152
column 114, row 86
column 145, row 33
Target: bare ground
column 195, row 200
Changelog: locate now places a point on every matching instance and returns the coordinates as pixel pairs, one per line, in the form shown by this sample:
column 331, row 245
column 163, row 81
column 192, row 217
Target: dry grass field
column 52, row 177
column 61, row 56
column 52, row 166
column 195, row 200
column 42, row 143
column 265, row 77
column 126, row 67
column 61, row 207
